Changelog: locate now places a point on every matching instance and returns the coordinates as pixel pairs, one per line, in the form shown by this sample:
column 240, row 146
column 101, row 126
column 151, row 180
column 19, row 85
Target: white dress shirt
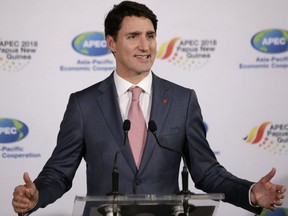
column 125, row 97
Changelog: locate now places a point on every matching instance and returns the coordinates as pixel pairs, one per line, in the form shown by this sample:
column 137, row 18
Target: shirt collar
column 123, row 85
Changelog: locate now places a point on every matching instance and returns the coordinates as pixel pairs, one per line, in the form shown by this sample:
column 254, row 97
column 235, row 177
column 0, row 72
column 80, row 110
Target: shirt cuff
column 249, row 196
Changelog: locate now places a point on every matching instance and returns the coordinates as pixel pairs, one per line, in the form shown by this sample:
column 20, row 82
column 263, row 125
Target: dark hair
column 114, row 18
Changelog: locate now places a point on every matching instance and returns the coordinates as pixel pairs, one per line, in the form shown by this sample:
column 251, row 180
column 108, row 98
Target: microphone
column 185, row 191
column 153, row 128
column 115, row 172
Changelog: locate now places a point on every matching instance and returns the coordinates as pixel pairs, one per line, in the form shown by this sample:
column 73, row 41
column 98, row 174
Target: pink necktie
column 138, row 132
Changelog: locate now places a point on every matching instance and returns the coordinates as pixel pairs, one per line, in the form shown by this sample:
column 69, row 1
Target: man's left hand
column 266, row 194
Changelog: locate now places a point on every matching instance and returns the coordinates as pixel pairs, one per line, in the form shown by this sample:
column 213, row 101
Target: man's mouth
column 143, row 56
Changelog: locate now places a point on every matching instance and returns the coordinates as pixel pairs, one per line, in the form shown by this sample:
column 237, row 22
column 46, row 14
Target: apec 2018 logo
column 270, row 137
column 271, row 41
column 91, row 44
column 12, row 130
column 188, row 54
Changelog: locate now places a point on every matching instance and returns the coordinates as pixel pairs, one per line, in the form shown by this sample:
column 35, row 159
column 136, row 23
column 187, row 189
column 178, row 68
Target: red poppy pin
column 164, row 101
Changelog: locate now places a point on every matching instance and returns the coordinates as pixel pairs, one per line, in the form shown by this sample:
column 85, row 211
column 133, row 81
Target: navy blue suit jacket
column 92, row 129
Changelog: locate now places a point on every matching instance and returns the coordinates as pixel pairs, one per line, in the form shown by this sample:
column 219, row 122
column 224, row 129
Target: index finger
column 280, row 188
column 19, row 190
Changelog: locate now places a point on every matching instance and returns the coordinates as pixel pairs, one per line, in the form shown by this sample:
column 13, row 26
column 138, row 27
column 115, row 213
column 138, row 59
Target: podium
column 147, row 205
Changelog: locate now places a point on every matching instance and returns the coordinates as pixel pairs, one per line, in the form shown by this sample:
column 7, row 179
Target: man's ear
column 110, row 43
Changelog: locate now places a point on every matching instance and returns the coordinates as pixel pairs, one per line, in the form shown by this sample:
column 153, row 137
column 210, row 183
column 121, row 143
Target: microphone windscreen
column 126, row 125
column 152, row 126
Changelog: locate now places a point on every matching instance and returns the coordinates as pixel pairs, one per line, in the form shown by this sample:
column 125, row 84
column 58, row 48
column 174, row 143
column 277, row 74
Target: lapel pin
column 164, row 101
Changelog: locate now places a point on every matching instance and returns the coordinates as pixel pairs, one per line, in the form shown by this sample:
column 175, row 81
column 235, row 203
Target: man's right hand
column 25, row 197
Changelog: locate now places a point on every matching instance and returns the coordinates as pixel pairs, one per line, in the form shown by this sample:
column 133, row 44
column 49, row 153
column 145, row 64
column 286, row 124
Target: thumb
column 269, row 176
column 27, row 180
column 31, row 190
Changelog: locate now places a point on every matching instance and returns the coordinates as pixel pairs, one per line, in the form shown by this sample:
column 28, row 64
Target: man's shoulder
column 99, row 86
column 164, row 83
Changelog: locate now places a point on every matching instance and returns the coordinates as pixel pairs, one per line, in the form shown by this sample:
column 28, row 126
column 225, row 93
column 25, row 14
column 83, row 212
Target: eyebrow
column 151, row 32
column 139, row 33
column 134, row 33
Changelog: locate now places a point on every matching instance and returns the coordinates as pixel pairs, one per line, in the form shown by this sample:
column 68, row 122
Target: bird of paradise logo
column 166, row 49
column 257, row 133
column 272, row 138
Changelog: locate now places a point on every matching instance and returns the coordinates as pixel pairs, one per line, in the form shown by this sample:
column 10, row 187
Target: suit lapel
column 161, row 103
column 109, row 105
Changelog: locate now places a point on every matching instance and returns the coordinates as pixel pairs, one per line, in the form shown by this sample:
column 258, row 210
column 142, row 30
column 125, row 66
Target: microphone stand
column 185, row 191
column 115, row 171
column 184, row 174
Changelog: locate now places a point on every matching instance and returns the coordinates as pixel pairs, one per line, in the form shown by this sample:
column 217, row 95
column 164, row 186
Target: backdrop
column 233, row 53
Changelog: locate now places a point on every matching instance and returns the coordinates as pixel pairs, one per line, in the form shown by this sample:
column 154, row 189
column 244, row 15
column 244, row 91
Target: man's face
column 135, row 48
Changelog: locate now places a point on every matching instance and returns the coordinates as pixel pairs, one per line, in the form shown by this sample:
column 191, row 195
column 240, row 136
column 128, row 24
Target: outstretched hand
column 266, row 194
column 25, row 197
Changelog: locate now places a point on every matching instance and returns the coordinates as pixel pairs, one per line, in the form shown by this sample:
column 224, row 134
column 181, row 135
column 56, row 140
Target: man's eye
column 151, row 36
column 132, row 36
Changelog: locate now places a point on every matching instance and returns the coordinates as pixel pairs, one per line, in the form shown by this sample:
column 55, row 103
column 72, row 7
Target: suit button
column 138, row 182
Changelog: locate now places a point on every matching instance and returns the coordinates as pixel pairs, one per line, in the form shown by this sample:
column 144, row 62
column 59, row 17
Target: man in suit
column 92, row 129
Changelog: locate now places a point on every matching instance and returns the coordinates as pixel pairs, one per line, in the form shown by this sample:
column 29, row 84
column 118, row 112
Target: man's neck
column 134, row 78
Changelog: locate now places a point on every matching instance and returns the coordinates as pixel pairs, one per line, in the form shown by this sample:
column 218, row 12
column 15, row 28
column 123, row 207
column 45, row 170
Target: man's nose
column 143, row 43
